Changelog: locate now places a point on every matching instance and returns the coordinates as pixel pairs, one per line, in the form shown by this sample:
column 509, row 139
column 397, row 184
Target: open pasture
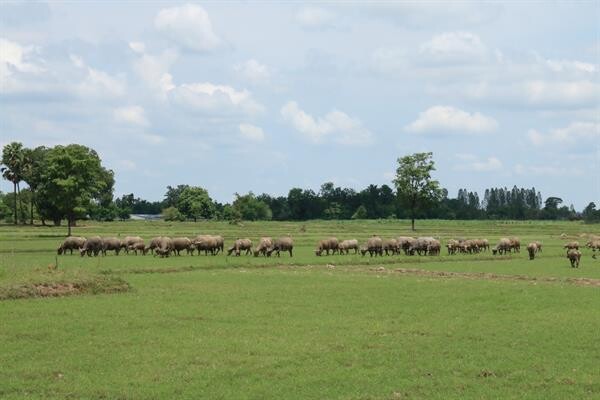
column 343, row 326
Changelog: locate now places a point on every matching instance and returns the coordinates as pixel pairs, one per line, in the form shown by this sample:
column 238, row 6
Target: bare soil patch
column 95, row 285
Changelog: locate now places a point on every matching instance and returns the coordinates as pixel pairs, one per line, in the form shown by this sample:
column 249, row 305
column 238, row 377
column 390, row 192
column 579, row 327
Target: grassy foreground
column 338, row 327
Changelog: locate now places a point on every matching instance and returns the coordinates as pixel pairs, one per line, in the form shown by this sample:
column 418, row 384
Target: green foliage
column 360, row 213
column 590, row 214
column 415, row 186
column 74, row 177
column 333, row 211
column 194, row 202
column 250, row 208
column 172, row 214
column 5, row 204
column 13, row 159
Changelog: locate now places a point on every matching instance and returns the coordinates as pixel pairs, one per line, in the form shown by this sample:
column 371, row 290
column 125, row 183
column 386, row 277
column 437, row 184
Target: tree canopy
column 415, row 186
column 72, row 181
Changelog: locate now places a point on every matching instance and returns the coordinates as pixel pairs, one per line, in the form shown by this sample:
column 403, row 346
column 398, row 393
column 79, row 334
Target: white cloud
column 337, row 125
column 189, row 26
column 473, row 163
column 314, row 17
column 571, row 66
column 454, row 47
column 252, row 133
column 574, row 133
column 14, row 57
column 213, row 98
column 16, row 60
column 573, row 93
column 77, row 61
column 253, row 71
column 153, row 70
column 97, row 83
column 131, row 114
column 138, row 47
column 447, row 119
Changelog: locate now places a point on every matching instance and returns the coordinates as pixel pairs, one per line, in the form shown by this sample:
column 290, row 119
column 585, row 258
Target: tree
column 13, row 161
column 173, row 194
column 194, row 202
column 172, row 214
column 590, row 214
column 250, row 208
column 550, row 210
column 414, row 184
column 74, row 178
column 360, row 213
column 35, row 160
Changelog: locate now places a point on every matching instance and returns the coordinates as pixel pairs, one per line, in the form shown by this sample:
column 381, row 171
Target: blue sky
column 263, row 97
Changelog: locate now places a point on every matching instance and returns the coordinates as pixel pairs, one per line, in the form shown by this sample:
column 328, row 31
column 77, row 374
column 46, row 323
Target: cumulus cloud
column 454, row 47
column 153, row 70
column 253, row 71
column 17, row 62
column 189, row 26
column 252, row 133
column 451, row 120
column 138, row 47
column 336, row 125
column 97, row 83
column 208, row 97
column 575, row 133
column 314, row 17
column 16, row 58
column 134, row 115
column 473, row 163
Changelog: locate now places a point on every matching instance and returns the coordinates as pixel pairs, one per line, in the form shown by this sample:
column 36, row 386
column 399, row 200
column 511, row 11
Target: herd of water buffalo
column 164, row 246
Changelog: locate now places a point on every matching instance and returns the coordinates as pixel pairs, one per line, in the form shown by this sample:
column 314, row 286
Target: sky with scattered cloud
column 264, row 96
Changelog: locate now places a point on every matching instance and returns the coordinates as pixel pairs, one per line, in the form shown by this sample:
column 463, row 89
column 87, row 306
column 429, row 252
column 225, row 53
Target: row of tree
column 70, row 183
column 64, row 182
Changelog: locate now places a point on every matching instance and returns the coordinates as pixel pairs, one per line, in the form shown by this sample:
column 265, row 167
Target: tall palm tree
column 13, row 161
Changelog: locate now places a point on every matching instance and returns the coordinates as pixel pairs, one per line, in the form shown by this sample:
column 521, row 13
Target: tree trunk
column 413, row 205
column 31, row 209
column 69, row 226
column 23, row 218
column 15, row 205
column 56, row 221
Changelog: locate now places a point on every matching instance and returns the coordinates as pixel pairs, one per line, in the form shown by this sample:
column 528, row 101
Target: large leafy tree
column 415, row 186
column 13, row 160
column 194, row 202
column 73, row 180
column 250, row 208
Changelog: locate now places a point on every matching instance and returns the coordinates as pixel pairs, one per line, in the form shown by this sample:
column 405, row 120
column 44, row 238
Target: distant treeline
column 70, row 183
column 373, row 202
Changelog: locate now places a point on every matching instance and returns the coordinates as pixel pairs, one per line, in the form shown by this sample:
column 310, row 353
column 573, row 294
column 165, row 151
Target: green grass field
column 307, row 327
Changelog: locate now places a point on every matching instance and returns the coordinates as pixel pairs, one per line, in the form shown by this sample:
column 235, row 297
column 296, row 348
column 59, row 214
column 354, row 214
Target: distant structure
column 145, row 217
